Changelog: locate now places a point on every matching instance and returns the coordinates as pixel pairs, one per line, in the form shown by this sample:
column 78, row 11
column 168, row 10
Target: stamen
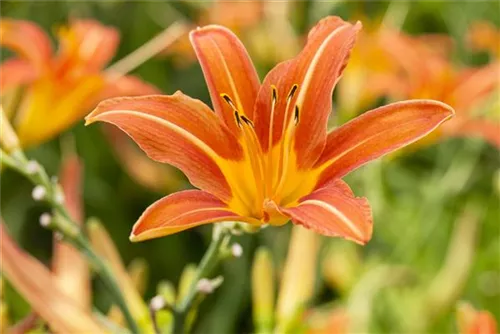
column 274, row 94
column 296, row 115
column 237, row 116
column 269, row 170
column 292, row 92
column 228, row 100
column 246, row 120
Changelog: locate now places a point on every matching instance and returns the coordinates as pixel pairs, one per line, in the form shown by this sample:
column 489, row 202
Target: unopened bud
column 39, row 193
column 157, row 303
column 205, row 286
column 45, row 219
column 236, row 250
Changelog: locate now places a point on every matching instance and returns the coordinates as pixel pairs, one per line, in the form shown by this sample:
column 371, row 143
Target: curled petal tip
column 134, row 238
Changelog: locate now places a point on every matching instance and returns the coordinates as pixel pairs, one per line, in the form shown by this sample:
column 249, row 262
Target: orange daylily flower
column 264, row 156
column 472, row 321
column 426, row 72
column 40, row 84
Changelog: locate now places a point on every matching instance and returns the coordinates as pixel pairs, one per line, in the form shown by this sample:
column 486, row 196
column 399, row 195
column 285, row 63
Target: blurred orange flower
column 40, row 85
column 265, row 156
column 472, row 321
column 484, row 36
column 427, row 72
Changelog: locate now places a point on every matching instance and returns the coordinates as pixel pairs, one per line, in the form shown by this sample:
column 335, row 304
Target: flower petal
column 38, row 286
column 87, row 44
column 378, row 132
column 315, row 70
column 488, row 130
column 26, row 39
column 334, row 211
column 69, row 266
column 181, row 211
column 228, row 70
column 62, row 102
column 127, row 85
column 475, row 85
column 177, row 130
column 15, row 72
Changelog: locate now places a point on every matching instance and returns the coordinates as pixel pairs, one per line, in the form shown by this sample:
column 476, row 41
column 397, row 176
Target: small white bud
column 45, row 219
column 58, row 236
column 236, row 250
column 32, row 167
column 157, row 303
column 39, row 193
column 205, row 286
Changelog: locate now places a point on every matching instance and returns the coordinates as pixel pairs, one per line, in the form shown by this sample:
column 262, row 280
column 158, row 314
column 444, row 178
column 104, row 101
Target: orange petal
column 177, row 130
column 127, row 85
column 26, row 39
column 315, row 70
column 379, row 132
column 148, row 173
column 87, row 43
column 15, row 72
column 69, row 266
column 181, row 211
column 334, row 211
column 62, row 102
column 475, row 85
column 38, row 286
column 489, row 130
column 228, row 70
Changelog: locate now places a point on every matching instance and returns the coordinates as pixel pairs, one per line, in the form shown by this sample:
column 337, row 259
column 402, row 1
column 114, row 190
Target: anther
column 296, row 115
column 228, row 100
column 292, row 92
column 274, row 93
column 246, row 120
column 237, row 116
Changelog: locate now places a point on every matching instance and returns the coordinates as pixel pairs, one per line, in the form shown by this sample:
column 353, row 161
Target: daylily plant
column 61, row 296
column 265, row 156
column 39, row 84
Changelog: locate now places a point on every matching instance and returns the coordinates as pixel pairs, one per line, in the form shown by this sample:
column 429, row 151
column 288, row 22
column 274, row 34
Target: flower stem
column 220, row 238
column 148, row 50
column 64, row 224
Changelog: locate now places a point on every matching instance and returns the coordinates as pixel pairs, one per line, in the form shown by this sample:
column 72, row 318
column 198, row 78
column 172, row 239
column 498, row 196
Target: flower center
column 272, row 168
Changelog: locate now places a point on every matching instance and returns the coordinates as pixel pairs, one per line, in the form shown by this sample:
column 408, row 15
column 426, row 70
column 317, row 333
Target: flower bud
column 263, row 291
column 39, row 193
column 297, row 284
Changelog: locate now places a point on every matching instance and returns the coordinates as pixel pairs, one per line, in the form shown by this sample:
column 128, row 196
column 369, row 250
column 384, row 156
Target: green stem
column 64, row 224
column 213, row 255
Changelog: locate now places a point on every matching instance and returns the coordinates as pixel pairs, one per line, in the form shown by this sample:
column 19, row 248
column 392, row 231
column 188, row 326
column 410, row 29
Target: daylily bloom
column 426, row 72
column 264, row 156
column 40, row 85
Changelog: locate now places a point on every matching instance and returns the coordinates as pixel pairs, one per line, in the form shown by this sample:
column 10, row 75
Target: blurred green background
column 417, row 198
